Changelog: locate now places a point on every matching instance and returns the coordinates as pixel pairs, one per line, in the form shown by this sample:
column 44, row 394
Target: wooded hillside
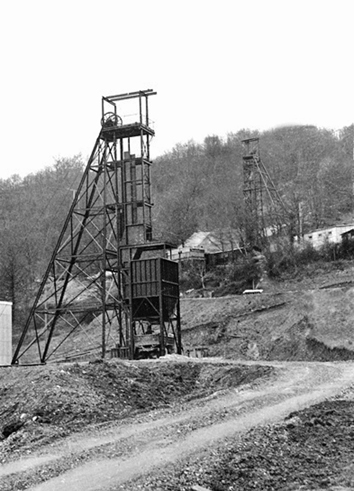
column 32, row 213
column 195, row 187
column 199, row 186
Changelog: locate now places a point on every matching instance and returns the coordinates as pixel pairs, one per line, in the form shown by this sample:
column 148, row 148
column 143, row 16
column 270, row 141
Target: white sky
column 218, row 66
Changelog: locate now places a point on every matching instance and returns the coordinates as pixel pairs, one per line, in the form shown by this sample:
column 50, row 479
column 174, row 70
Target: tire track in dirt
column 167, row 440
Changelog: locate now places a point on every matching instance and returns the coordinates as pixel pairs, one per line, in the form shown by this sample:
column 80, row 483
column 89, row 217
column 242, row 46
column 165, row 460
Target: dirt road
column 111, row 457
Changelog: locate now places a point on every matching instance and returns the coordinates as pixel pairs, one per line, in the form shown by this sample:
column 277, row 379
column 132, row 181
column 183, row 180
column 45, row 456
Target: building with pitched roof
column 212, row 247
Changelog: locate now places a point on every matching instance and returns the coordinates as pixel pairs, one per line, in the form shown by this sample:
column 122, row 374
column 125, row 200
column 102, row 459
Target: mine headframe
column 264, row 211
column 108, row 286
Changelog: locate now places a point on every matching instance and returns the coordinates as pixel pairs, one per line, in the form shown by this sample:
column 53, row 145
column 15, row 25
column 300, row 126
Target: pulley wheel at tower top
column 111, row 119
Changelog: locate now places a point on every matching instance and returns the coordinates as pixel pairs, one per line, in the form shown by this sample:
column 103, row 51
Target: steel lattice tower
column 264, row 209
column 108, row 226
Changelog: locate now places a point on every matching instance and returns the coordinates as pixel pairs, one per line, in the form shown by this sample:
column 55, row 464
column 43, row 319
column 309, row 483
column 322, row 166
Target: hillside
column 218, row 422
column 310, row 318
column 306, row 317
column 193, row 187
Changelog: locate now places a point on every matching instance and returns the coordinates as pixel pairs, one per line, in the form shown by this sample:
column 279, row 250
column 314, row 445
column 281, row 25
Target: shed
column 332, row 235
column 212, row 247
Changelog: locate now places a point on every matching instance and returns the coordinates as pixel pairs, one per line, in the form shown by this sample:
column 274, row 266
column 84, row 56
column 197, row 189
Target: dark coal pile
column 311, row 449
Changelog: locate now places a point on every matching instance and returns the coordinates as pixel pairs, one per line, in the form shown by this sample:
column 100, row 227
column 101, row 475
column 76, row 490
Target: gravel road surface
column 133, row 454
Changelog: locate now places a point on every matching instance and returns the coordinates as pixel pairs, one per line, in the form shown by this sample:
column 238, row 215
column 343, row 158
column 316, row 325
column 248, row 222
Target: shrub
column 191, row 275
column 345, row 250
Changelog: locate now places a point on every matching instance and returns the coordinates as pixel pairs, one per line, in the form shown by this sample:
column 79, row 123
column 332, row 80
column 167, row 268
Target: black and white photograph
column 177, row 245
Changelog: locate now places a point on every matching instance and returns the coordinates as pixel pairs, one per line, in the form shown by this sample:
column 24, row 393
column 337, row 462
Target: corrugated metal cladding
column 150, row 277
column 5, row 333
column 145, row 278
column 154, row 288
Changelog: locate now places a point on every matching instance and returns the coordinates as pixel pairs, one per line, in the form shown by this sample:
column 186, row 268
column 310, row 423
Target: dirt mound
column 312, row 449
column 304, row 325
column 44, row 402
